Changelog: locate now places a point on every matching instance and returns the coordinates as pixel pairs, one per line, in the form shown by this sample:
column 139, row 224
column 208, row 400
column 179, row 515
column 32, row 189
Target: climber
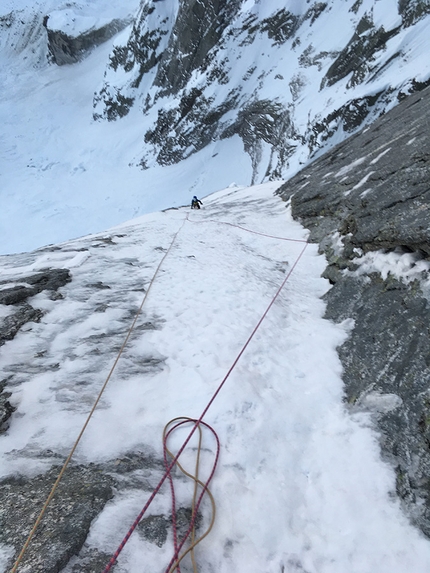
column 195, row 203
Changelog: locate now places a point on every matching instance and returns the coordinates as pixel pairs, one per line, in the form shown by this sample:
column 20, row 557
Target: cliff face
column 60, row 32
column 287, row 79
column 69, row 48
column 367, row 203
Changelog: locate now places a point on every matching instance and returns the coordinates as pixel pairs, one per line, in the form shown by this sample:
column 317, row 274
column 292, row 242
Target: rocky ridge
column 366, row 202
column 60, row 32
column 69, row 48
column 200, row 71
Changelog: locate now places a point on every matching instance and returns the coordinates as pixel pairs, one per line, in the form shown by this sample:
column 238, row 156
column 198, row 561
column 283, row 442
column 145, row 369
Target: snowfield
column 64, row 175
column 300, row 486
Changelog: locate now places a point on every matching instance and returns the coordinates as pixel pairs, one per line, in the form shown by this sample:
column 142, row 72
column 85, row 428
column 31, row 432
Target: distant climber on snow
column 195, row 203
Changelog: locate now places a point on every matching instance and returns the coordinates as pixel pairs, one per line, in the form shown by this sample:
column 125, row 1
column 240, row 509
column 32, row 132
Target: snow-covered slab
column 300, row 485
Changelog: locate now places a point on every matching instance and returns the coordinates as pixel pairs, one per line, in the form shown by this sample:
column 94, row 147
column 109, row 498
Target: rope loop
column 197, row 498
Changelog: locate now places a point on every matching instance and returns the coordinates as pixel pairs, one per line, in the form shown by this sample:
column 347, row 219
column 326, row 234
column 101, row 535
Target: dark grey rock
column 358, row 55
column 187, row 128
column 262, row 121
column 154, row 529
column 388, row 353
column 281, row 26
column 347, row 118
column 65, row 49
column 50, row 279
column 183, row 521
column 81, row 495
column 11, row 324
column 372, row 192
column 6, row 408
column 172, row 47
column 23, row 313
column 413, row 10
column 92, row 561
column 199, row 26
column 374, row 185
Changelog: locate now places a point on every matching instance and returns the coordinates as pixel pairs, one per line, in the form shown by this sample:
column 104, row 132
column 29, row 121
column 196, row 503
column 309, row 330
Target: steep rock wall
column 367, row 203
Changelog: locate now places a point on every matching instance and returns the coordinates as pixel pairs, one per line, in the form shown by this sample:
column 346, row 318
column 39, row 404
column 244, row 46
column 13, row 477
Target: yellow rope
column 69, row 457
column 197, row 482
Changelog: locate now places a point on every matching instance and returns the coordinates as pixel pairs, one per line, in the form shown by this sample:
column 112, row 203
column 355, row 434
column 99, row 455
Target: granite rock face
column 202, row 71
column 68, row 49
column 82, row 493
column 81, row 496
column 368, row 200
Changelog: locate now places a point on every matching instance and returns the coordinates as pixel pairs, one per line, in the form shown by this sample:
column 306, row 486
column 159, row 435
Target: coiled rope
column 75, row 445
column 171, row 427
column 200, row 419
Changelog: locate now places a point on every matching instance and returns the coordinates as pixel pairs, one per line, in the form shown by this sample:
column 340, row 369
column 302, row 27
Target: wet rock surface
column 371, row 194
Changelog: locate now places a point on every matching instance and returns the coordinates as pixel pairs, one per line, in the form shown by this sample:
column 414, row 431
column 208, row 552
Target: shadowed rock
column 67, row 49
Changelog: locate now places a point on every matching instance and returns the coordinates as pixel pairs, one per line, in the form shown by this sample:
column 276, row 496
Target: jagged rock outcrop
column 367, row 203
column 65, row 35
column 65, row 48
column 198, row 28
column 199, row 72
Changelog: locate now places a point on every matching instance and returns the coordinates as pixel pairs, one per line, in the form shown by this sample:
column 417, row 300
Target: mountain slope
column 299, row 486
column 204, row 94
column 287, row 78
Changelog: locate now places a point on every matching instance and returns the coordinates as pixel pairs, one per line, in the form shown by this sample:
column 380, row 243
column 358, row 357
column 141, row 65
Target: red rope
column 199, row 421
column 248, row 230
